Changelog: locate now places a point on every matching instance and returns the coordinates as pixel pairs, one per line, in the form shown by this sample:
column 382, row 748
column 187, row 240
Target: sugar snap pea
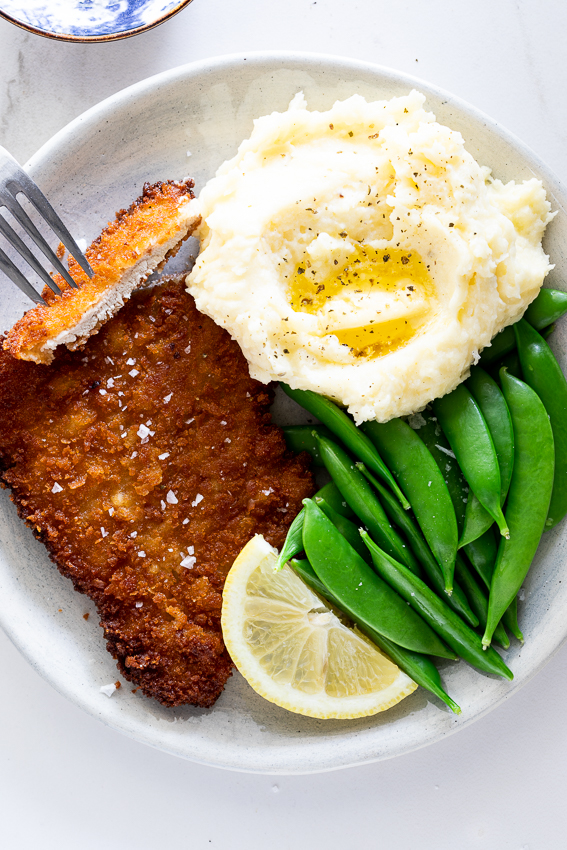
column 299, row 438
column 548, row 306
column 356, row 586
column 502, row 344
column 293, row 543
column 510, row 362
column 543, row 374
column 460, row 637
column 405, row 522
column 430, row 432
column 528, row 497
column 546, row 332
column 466, row 429
column 347, row 528
column 344, row 428
column 478, row 600
column 482, row 555
column 421, row 480
column 358, row 494
column 510, row 619
column 492, row 403
column 418, row 667
column 333, row 496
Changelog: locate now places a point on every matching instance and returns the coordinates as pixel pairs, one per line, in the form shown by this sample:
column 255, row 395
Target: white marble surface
column 66, row 781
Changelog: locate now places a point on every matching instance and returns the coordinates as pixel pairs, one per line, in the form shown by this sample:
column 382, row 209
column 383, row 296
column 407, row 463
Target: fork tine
column 44, row 208
column 15, row 275
column 9, row 201
column 22, row 249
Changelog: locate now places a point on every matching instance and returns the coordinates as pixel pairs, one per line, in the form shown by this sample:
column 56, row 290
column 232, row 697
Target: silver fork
column 13, row 182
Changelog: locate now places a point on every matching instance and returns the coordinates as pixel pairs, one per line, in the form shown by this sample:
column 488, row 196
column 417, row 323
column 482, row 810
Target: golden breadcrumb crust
column 158, row 216
column 145, row 462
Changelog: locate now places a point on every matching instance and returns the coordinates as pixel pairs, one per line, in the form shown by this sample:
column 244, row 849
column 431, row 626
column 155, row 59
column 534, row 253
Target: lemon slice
column 292, row 648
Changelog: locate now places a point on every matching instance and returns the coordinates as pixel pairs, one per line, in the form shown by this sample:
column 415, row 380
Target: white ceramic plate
column 94, row 167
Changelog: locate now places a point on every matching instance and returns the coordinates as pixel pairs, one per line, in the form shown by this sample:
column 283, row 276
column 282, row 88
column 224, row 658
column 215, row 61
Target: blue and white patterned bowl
column 89, row 20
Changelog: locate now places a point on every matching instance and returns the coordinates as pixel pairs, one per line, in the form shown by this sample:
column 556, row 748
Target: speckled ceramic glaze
column 89, row 20
column 186, row 122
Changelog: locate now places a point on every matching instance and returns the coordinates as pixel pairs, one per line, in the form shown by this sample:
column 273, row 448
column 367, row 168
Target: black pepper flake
column 405, row 261
column 300, row 270
column 451, row 224
column 386, row 257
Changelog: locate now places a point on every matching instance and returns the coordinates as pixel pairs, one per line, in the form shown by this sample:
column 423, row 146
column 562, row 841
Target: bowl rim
column 85, row 39
column 229, row 62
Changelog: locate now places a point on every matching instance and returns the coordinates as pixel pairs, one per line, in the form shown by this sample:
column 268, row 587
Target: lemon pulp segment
column 295, row 651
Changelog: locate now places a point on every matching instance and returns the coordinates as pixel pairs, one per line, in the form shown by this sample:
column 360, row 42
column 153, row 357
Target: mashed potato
column 362, row 253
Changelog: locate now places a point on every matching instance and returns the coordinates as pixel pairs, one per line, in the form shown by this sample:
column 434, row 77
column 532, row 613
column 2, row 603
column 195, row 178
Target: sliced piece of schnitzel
column 144, row 463
column 128, row 251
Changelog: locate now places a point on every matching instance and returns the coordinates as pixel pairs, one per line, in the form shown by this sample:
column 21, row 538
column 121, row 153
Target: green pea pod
column 510, row 619
column 358, row 494
column 460, row 637
column 299, row 438
column 344, row 428
column 479, row 600
column 492, row 404
column 431, row 434
column 347, row 528
column 502, row 344
column 546, row 332
column 418, row 667
column 477, row 521
column 465, row 427
column 293, row 543
column 482, row 555
column 333, row 496
column 511, row 362
column 548, row 306
column 356, row 586
column 405, row 522
column 528, row 497
column 543, row 374
column 421, row 480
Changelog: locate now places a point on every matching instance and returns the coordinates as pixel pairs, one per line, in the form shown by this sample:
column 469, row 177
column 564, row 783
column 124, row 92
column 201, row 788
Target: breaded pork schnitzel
column 130, row 248
column 144, row 463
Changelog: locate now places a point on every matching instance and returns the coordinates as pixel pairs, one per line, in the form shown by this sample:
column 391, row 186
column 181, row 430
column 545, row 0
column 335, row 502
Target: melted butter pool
column 368, row 269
